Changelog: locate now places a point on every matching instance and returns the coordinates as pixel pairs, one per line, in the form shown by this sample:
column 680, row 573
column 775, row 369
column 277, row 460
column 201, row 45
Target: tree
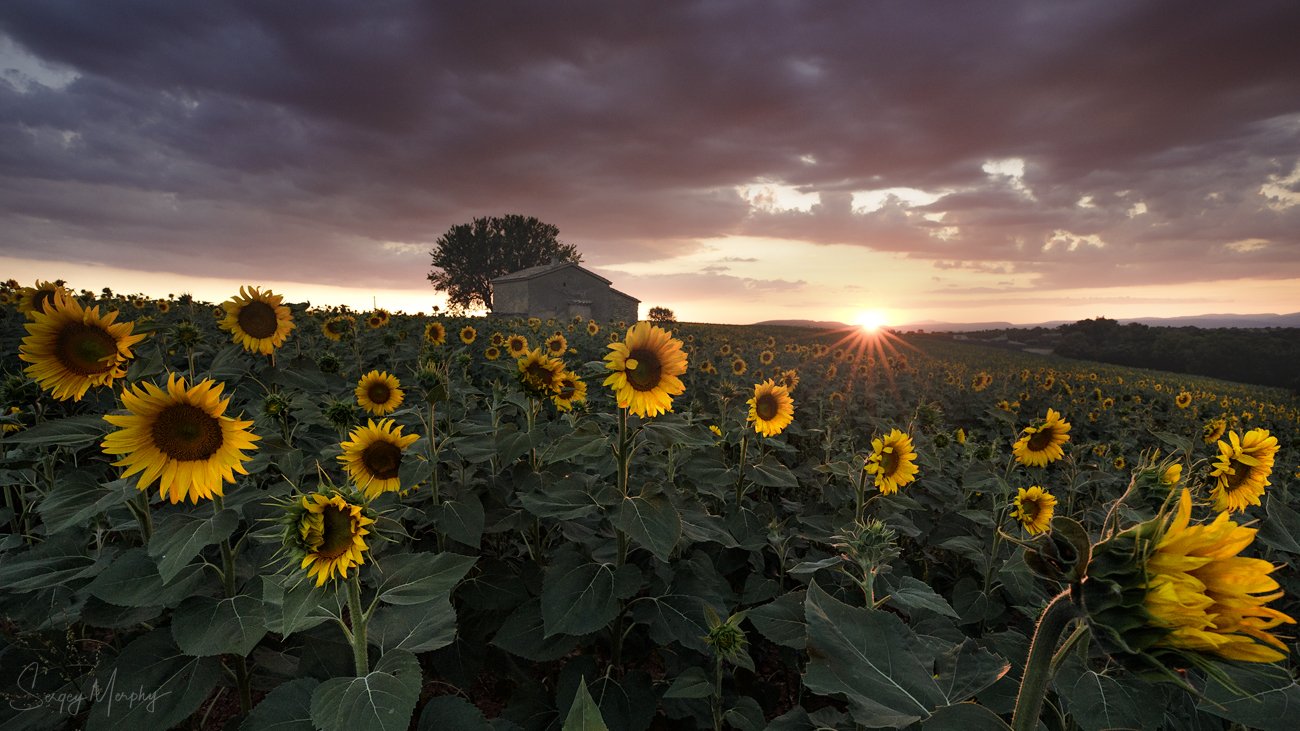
column 662, row 315
column 470, row 255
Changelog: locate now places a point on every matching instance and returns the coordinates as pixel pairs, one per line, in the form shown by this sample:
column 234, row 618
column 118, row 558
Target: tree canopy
column 470, row 255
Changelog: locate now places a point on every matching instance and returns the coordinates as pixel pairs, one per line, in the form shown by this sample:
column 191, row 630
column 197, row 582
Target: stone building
column 563, row 290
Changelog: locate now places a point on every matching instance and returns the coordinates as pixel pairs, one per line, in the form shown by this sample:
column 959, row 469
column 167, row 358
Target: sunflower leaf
column 179, row 536
column 584, row 714
column 651, row 521
column 287, row 708
column 577, row 597
column 73, row 431
column 416, row 578
column 150, row 685
column 205, row 626
column 382, row 700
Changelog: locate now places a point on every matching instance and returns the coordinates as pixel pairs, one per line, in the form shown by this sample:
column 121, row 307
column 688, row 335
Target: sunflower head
column 257, row 320
column 324, row 533
column 593, row 329
column 1033, row 508
column 379, row 393
column 1213, row 430
column 1242, row 469
column 771, row 409
column 1041, row 443
column 892, row 461
column 645, row 369
column 71, row 348
column 539, row 373
column 435, row 333
column 516, row 345
column 1183, row 400
column 468, row 335
column 1168, row 590
column 338, row 327
column 556, row 345
column 373, row 457
column 572, row 390
column 34, row 300
column 492, row 352
column 180, row 437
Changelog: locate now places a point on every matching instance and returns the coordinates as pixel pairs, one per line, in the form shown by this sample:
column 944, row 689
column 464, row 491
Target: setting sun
column 872, row 320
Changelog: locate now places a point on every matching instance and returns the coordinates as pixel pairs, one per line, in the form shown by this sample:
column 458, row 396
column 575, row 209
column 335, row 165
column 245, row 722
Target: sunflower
column 572, row 390
column 373, row 458
column 1040, row 444
column 540, row 373
column 338, row 326
column 1241, row 470
column 1172, row 475
column 468, row 335
column 1183, row 400
column 516, row 345
column 163, row 306
column 492, row 352
column 789, row 378
column 1210, row 599
column 33, row 300
column 329, row 531
column 384, row 316
column 257, row 320
column 771, row 408
column 1119, row 462
column 374, row 322
column 435, row 333
column 16, row 414
column 1033, row 508
column 892, row 461
column 592, row 328
column 180, row 437
column 766, row 357
column 497, row 339
column 379, row 393
column 72, row 348
column 1213, row 430
column 738, row 366
column 534, row 323
column 556, row 345
column 646, row 366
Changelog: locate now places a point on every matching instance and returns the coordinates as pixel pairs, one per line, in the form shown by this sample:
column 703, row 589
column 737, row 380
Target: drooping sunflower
column 72, row 348
column 540, row 373
column 1242, row 469
column 572, row 390
column 373, row 457
column 771, row 408
column 646, row 367
column 492, row 352
column 336, row 327
column 15, row 413
column 379, row 393
column 557, row 344
column 468, row 335
column 516, row 345
column 1213, row 430
column 435, row 333
column 1033, row 507
column 892, row 461
column 179, row 437
column 32, row 300
column 1040, row 444
column 257, row 320
column 1183, row 400
column 328, row 531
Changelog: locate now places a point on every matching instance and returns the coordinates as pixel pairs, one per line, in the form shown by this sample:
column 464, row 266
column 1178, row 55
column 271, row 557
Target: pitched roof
column 541, row 269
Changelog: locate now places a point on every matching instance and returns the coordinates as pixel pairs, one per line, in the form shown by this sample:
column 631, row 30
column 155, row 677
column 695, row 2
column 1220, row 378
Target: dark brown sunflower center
column 85, row 349
column 184, row 432
column 335, row 326
column 516, row 346
column 889, row 462
column 1041, row 439
column 555, row 346
column 1029, row 510
column 766, row 407
column 258, row 319
column 337, row 530
column 1240, row 473
column 567, row 389
column 645, row 377
column 379, row 393
column 382, row 459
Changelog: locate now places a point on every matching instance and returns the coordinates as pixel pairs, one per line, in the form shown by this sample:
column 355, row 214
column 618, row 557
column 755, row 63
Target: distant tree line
column 1263, row 356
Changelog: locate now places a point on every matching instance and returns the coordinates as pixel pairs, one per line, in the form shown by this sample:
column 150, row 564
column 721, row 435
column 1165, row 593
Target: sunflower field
column 257, row 515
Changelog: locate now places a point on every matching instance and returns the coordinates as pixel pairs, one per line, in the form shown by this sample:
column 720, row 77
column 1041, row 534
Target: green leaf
column 78, row 497
column 416, row 578
column 692, row 683
column 967, row 669
column 523, row 634
column 132, row 580
column 205, row 626
column 1097, row 701
column 447, row 712
column 872, row 658
column 578, row 598
column 294, row 608
column 414, row 627
column 1272, row 698
column 287, row 708
column 1279, row 531
column 912, row 595
column 771, row 473
column 651, row 521
column 965, row 716
column 587, row 440
column 561, row 502
column 179, row 536
column 782, row 620
column 151, row 685
column 584, row 715
column 383, row 700
column 72, row 431
column 462, row 519
column 53, row 563
column 673, row 618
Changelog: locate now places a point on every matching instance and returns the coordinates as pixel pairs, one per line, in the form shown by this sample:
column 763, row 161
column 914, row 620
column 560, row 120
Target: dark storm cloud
column 334, row 141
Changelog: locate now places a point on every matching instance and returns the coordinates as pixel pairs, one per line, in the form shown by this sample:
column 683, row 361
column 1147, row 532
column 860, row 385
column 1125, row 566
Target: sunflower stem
column 360, row 658
column 143, row 515
column 1038, row 670
column 862, row 496
column 740, row 476
column 624, row 457
column 242, row 678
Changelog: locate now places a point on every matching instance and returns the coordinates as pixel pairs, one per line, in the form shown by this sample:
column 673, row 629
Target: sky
column 734, row 161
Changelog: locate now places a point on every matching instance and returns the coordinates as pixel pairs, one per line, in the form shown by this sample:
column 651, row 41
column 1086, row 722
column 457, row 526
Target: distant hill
column 1205, row 321
column 814, row 324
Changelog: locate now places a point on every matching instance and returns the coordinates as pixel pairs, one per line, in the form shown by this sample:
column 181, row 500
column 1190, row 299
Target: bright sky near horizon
column 1018, row 162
